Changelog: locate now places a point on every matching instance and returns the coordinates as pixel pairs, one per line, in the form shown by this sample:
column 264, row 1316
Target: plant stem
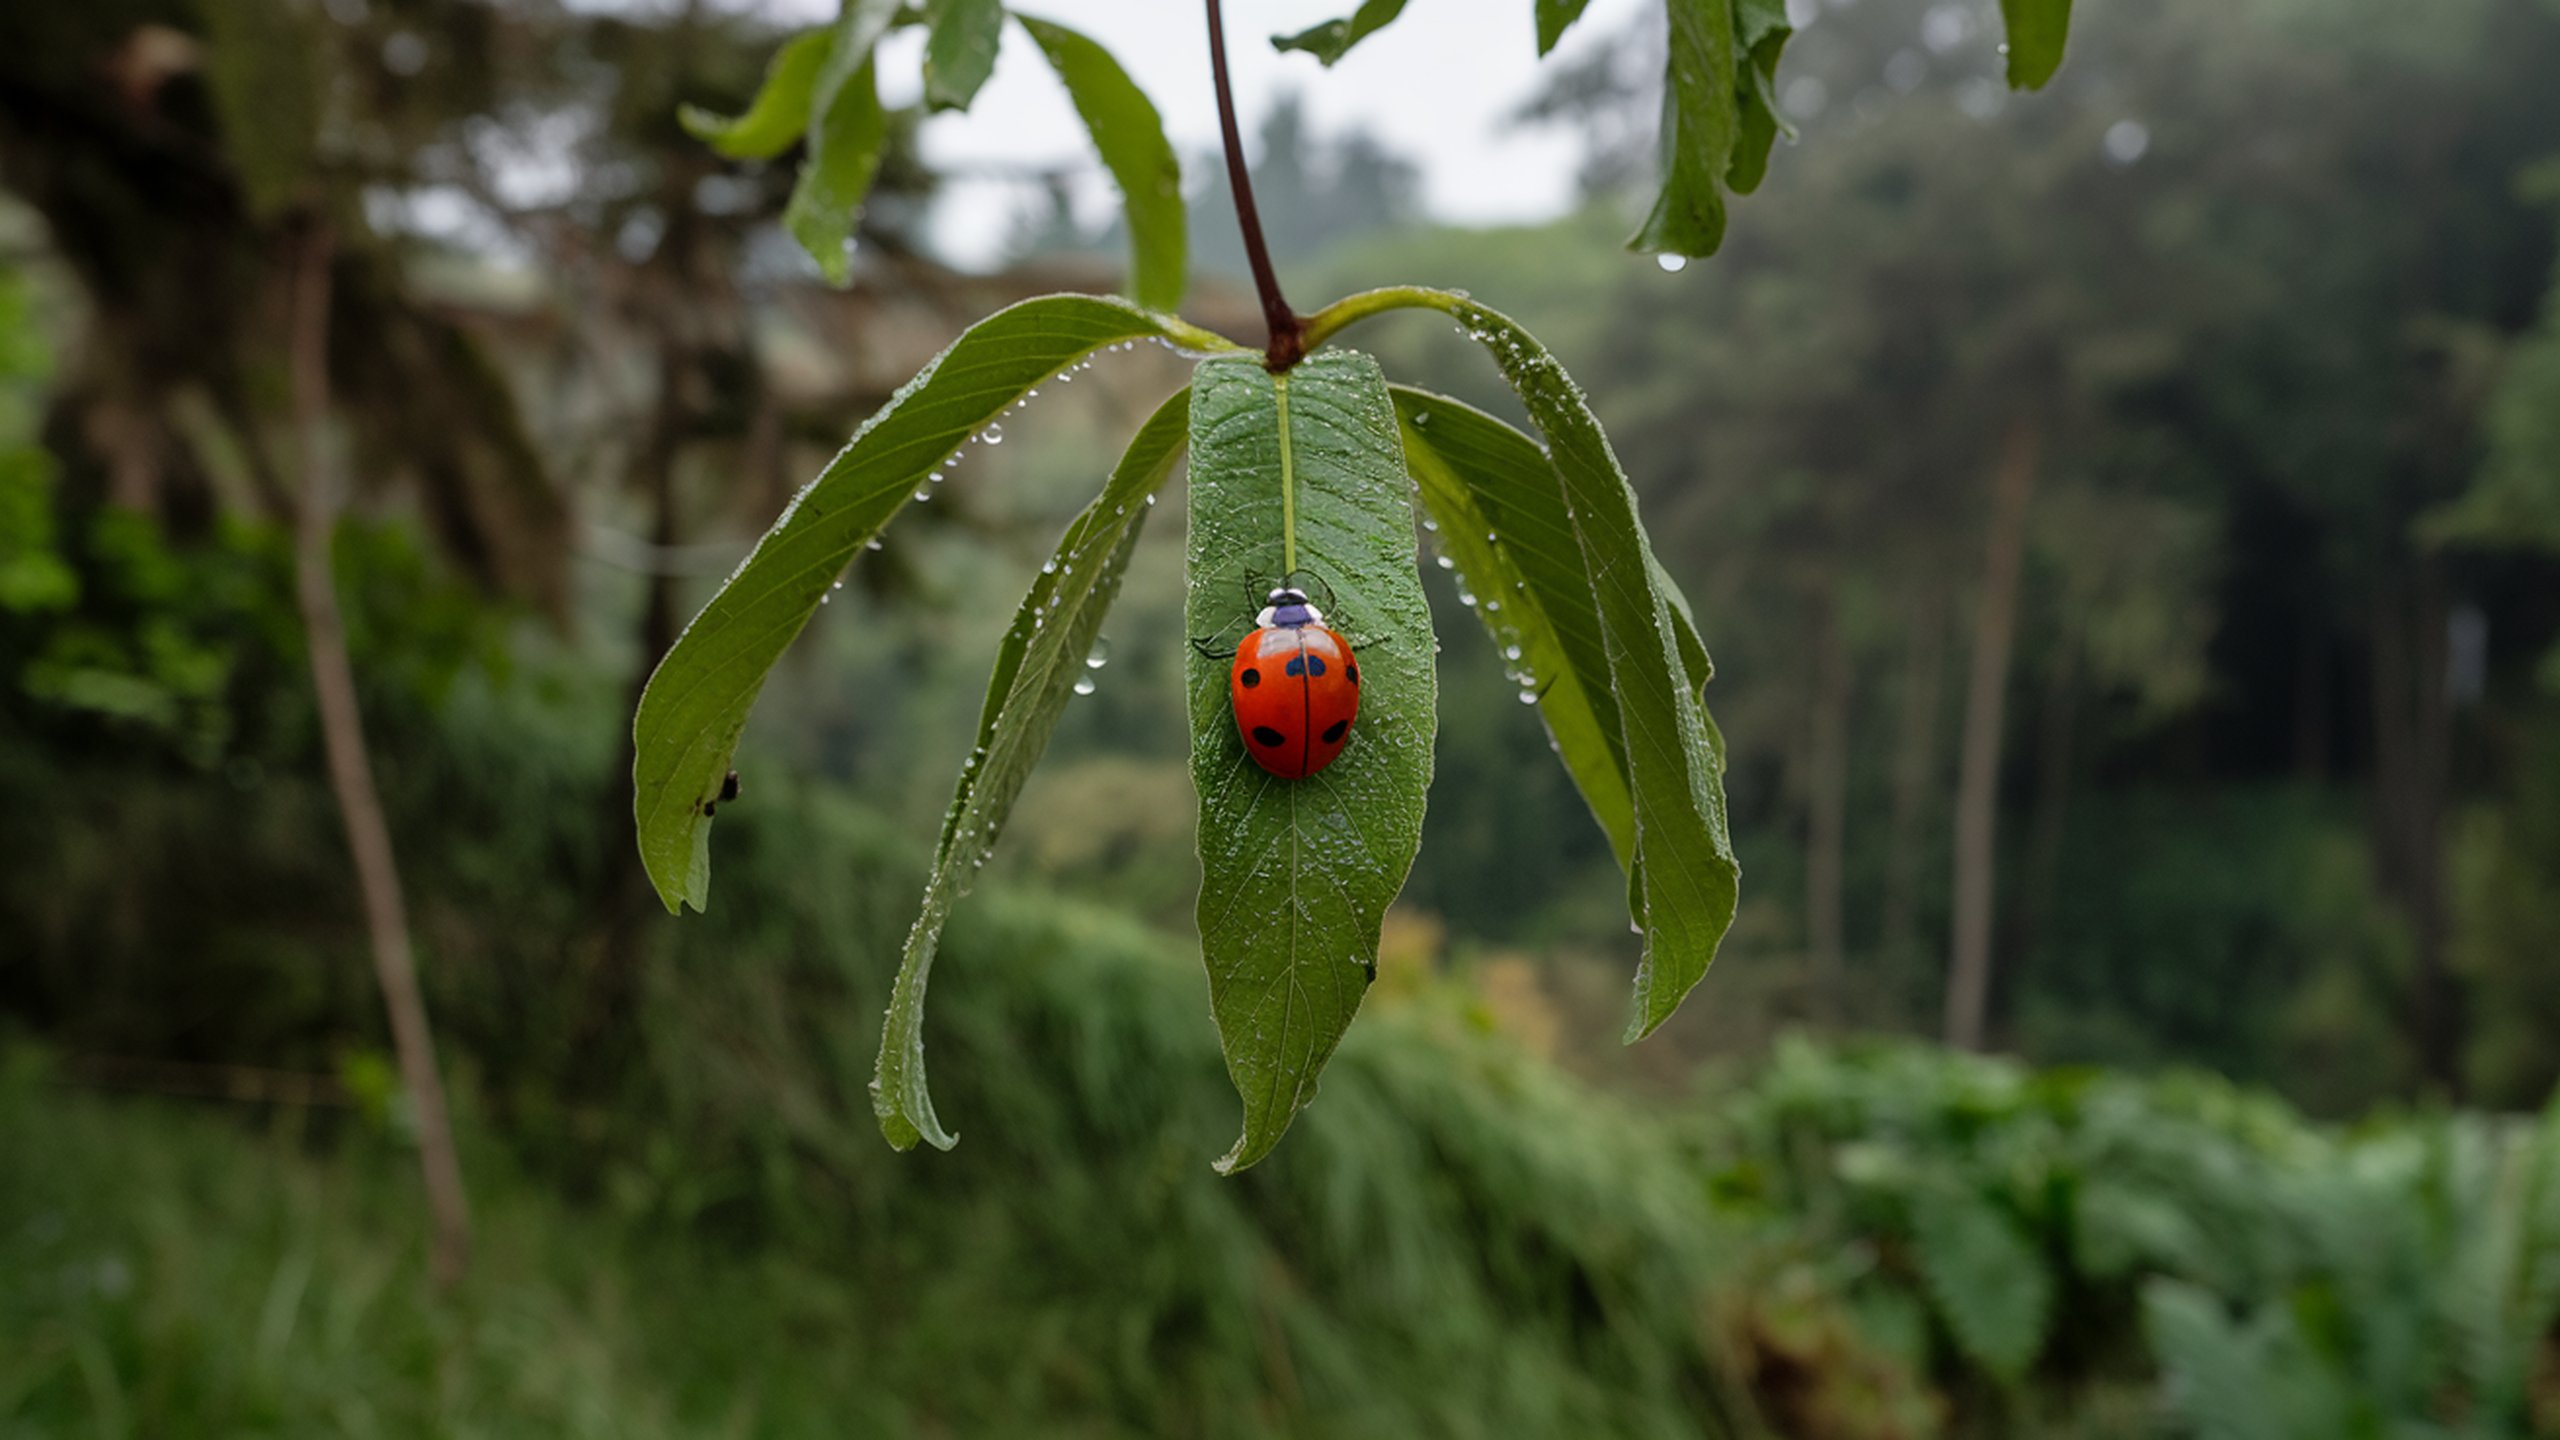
column 1288, row 485
column 351, row 772
column 1352, row 309
column 1288, row 334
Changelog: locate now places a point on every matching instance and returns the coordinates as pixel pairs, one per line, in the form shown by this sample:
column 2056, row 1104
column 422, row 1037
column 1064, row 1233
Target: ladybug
column 1296, row 686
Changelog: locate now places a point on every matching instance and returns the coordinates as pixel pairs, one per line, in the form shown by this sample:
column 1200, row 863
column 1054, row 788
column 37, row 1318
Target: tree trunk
column 1978, row 776
column 1915, row 775
column 1827, row 816
column 2413, row 735
column 351, row 772
column 2056, row 723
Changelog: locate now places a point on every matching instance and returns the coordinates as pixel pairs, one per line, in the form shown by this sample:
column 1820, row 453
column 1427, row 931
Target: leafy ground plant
column 1305, row 465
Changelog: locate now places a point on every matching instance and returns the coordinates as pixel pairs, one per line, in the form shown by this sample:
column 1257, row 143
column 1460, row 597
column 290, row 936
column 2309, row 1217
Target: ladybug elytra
column 1296, row 687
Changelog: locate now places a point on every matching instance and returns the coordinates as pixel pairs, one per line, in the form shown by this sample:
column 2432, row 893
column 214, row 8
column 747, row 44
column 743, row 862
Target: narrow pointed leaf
column 1684, row 882
column 961, row 38
column 1700, row 122
column 844, row 155
column 1037, row 667
column 2038, row 29
column 1554, row 18
column 697, row 703
column 846, row 130
column 1481, row 480
column 1761, row 32
column 779, row 115
column 1333, row 39
column 1296, row 875
column 1130, row 136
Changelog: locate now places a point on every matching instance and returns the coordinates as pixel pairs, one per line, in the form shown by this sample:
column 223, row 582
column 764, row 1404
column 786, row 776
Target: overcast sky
column 1434, row 86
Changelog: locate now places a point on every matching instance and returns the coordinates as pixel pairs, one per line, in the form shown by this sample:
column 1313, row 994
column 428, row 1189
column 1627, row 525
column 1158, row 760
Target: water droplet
column 1510, row 652
column 837, row 586
column 1672, row 264
column 1151, row 500
column 1101, row 653
column 1467, row 598
column 1430, row 524
column 1032, row 394
column 1048, row 567
column 1421, row 419
column 924, row 494
column 1528, row 697
column 1445, row 563
column 1084, row 685
column 871, row 545
column 993, row 435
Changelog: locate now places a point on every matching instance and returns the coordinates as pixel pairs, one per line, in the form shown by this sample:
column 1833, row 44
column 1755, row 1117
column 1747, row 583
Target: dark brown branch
column 351, row 772
column 1288, row 332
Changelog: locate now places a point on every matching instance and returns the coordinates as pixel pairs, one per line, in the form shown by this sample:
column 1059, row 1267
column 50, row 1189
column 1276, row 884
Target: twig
column 351, row 773
column 1288, row 332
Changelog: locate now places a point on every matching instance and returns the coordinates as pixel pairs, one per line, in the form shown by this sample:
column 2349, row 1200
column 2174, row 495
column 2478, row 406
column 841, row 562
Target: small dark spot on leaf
column 1265, row 735
column 729, row 787
column 1333, row 732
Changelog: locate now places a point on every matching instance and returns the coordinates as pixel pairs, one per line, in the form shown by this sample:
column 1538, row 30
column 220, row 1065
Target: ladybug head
column 1289, row 607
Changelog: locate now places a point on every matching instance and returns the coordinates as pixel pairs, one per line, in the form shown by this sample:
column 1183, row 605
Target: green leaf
column 846, row 129
column 1761, row 32
column 1130, row 135
column 844, row 155
column 1554, row 18
column 1986, row 1278
column 697, row 702
column 1481, row 479
column 1700, row 122
column 779, row 115
column 1296, row 875
column 1684, row 882
column 1333, row 39
column 961, row 39
column 2037, row 32
column 1037, row 667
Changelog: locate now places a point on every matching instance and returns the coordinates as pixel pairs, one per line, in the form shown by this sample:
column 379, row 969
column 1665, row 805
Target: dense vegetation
column 2261, row 302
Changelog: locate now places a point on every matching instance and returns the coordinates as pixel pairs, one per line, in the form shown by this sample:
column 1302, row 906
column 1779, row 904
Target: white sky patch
column 1435, row 87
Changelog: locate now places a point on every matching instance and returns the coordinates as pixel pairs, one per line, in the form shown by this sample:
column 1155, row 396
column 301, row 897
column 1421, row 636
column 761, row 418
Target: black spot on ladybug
column 1333, row 732
column 1351, row 672
column 1265, row 735
column 1251, row 678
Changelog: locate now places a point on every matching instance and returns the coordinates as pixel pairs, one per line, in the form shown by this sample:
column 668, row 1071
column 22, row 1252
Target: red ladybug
column 1296, row 686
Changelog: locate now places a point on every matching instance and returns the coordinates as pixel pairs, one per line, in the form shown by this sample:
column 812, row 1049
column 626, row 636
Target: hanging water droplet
column 993, row 435
column 1528, row 697
column 1084, row 685
column 1445, row 563
column 1048, row 567
column 1428, row 523
column 1151, row 500
column 1100, row 655
column 871, row 545
column 837, row 586
column 1510, row 652
column 1032, row 394
column 924, row 494
column 1672, row 264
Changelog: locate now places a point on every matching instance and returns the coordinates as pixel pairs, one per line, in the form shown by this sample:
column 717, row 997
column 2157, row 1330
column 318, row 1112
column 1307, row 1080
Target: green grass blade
column 1130, row 136
column 1333, row 39
column 2038, row 29
column 1700, row 123
column 1296, row 875
column 1685, row 882
column 697, row 703
column 961, row 38
column 1037, row 667
column 1481, row 480
column 775, row 120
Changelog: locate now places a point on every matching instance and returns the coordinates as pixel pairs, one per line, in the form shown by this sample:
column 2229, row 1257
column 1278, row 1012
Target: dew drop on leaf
column 993, row 435
column 1084, row 685
column 1672, row 264
column 1100, row 654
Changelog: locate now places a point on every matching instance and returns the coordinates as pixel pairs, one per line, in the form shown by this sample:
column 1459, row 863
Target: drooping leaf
column 1501, row 519
column 1684, row 882
column 1130, row 136
column 1700, row 122
column 1556, row 17
column 1037, row 667
column 2038, row 29
column 1985, row 1277
column 961, row 39
column 846, row 129
column 779, row 115
column 1333, row 39
column 1296, row 875
column 1761, row 32
column 697, row 703
column 844, row 155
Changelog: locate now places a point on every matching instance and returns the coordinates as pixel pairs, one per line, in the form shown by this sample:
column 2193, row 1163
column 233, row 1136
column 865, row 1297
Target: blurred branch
column 350, row 772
